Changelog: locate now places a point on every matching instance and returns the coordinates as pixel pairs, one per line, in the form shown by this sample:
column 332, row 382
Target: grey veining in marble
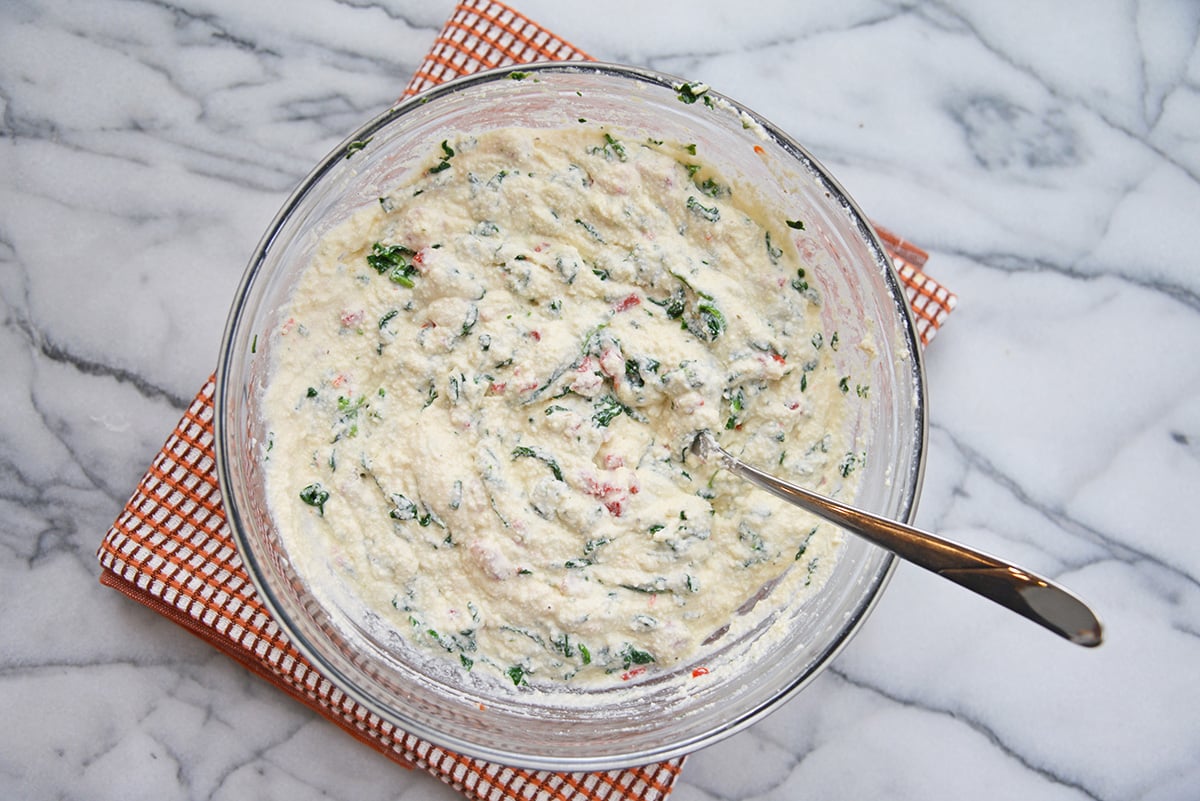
column 1048, row 155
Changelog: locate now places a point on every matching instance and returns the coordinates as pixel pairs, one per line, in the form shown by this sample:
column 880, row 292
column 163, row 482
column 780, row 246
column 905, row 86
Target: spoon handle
column 1038, row 599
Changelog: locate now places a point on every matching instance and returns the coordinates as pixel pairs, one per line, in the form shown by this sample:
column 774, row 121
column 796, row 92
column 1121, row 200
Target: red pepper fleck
column 495, row 388
column 698, row 672
column 758, row 149
column 629, row 674
column 778, row 357
column 628, row 303
column 537, row 337
column 429, row 324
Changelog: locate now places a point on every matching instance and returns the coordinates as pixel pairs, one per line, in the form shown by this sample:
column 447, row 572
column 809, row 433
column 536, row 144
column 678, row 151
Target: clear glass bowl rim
column 912, row 479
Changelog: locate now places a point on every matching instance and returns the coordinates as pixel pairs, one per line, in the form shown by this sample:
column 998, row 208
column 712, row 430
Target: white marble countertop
column 1048, row 155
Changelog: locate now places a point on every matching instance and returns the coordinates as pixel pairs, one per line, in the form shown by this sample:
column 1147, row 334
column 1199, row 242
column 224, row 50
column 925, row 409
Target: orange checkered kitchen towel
column 171, row 548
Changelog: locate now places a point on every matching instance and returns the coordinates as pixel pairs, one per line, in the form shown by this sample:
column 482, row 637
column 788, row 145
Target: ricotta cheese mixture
column 483, row 390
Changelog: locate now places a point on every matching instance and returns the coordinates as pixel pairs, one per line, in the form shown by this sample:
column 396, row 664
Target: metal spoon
column 1039, row 599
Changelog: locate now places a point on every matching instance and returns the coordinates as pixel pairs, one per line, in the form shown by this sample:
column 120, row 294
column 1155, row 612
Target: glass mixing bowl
column 749, row 675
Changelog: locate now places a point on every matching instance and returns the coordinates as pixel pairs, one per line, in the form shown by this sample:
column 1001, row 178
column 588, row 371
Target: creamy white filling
column 484, row 386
